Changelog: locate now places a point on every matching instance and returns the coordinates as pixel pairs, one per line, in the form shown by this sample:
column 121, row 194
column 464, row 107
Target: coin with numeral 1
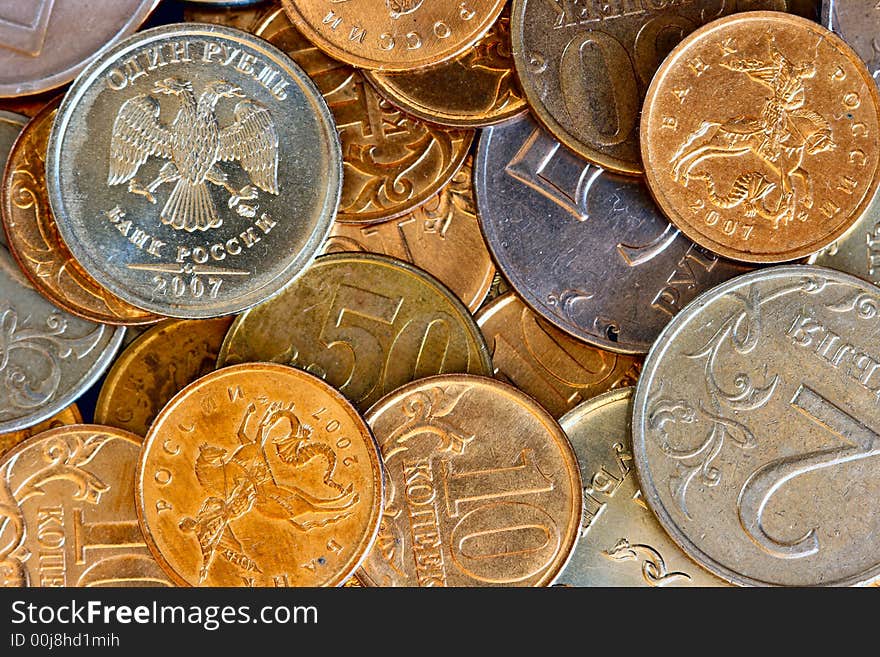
column 482, row 487
column 755, row 428
column 193, row 170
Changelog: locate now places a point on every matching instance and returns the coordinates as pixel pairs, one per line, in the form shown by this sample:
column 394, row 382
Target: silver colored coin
column 586, row 249
column 47, row 356
column 755, row 428
column 45, row 43
column 621, row 542
column 857, row 22
column 194, row 170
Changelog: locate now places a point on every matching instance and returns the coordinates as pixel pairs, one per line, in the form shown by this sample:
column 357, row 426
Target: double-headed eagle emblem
column 195, row 144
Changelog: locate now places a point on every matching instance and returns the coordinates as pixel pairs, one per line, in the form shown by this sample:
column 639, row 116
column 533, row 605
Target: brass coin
column 34, row 240
column 585, row 66
column 259, row 475
column 69, row 415
column 558, row 371
column 761, row 137
column 442, row 237
column 68, row 515
column 621, row 542
column 157, row 366
column 392, row 162
column 241, row 16
column 394, row 35
column 476, row 89
column 367, row 324
column 482, row 487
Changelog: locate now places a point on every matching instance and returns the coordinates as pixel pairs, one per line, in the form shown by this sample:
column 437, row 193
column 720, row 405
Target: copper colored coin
column 394, row 35
column 392, row 162
column 34, row 240
column 68, row 514
column 476, row 89
column 761, row 137
column 442, row 237
column 155, row 367
column 482, row 487
column 259, row 475
column 244, row 16
column 542, row 361
column 366, row 324
column 69, row 415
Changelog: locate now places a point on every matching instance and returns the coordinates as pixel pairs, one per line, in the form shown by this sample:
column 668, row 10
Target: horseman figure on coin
column 780, row 138
column 195, row 144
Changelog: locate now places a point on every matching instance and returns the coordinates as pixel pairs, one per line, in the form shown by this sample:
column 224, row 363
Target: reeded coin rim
column 292, row 267
column 656, row 187
column 640, row 400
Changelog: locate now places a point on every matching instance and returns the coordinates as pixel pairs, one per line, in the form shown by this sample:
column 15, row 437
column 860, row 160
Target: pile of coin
column 398, row 293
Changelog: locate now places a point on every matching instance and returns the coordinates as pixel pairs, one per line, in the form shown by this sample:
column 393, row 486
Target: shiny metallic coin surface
column 587, row 250
column 242, row 16
column 788, row 160
column 45, row 43
column 68, row 514
column 857, row 252
column 394, row 35
column 69, row 415
column 259, row 475
column 366, row 324
column 193, row 170
column 857, row 22
column 558, row 371
column 585, row 66
column 482, row 487
column 621, row 542
column 157, row 366
column 755, row 428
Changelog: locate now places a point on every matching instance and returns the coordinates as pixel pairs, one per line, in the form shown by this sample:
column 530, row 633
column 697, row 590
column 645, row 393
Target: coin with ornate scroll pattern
column 259, row 475
column 392, row 162
column 482, row 487
column 365, row 323
column 34, row 241
column 790, row 159
column 155, row 367
column 69, row 415
column 68, row 517
column 755, row 428
column 208, row 213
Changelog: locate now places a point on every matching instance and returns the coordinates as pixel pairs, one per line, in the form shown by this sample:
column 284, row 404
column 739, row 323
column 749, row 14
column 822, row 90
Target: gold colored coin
column 476, row 89
column 761, row 137
column 245, row 17
column 366, row 324
column 394, row 35
column 558, row 371
column 68, row 515
column 442, row 237
column 155, row 367
column 482, row 487
column 69, row 415
column 392, row 162
column 259, row 475
column 34, row 240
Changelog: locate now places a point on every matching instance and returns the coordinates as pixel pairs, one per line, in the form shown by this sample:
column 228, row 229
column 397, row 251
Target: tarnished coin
column 442, row 237
column 585, row 66
column 69, row 415
column 482, row 487
column 68, row 515
column 790, row 157
column 193, row 170
column 754, row 424
column 476, row 89
column 621, row 542
column 587, row 250
column 45, row 43
column 259, row 475
column 392, row 162
column 34, row 241
column 367, row 324
column 857, row 21
column 157, row 366
column 558, row 371
column 394, row 35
